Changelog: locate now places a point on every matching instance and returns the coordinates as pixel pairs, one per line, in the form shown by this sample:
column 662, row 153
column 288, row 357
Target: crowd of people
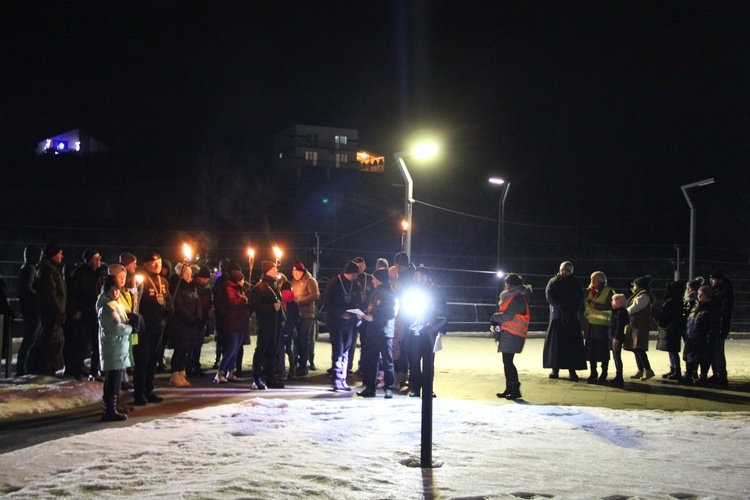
column 122, row 316
column 586, row 324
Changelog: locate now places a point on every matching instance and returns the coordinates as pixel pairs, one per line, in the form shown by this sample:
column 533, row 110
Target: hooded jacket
column 114, row 331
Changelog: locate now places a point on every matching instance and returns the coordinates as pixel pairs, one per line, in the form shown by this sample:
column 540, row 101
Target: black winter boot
column 515, row 391
column 506, row 392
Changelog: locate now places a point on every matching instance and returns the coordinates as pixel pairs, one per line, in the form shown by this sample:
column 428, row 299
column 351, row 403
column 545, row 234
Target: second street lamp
column 691, row 257
column 500, row 218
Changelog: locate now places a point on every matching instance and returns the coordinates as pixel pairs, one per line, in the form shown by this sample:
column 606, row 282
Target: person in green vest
column 597, row 311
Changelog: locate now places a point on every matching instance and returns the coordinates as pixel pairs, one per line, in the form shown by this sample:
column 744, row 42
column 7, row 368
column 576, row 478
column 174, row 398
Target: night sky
column 596, row 111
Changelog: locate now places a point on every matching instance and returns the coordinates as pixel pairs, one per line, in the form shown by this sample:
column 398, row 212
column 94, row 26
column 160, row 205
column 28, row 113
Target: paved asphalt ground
column 468, row 368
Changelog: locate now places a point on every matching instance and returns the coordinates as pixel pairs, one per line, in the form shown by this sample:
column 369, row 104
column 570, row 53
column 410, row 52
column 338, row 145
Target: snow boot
column 110, row 413
column 618, row 381
column 594, row 375
column 515, row 391
column 506, row 392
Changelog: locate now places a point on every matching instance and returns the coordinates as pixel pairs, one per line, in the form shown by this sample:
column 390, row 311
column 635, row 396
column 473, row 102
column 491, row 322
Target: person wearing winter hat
column 205, row 296
column 289, row 332
column 510, row 325
column 563, row 345
column 639, row 308
column 82, row 329
column 342, row 294
column 307, row 294
column 27, row 285
column 51, row 295
column 156, row 305
column 597, row 310
column 365, row 283
column 266, row 300
column 671, row 322
column 381, row 263
column 690, row 300
column 236, row 326
column 379, row 318
column 723, row 296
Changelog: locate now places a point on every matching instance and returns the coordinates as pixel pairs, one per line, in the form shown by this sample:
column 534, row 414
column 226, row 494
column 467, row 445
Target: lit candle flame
column 187, row 251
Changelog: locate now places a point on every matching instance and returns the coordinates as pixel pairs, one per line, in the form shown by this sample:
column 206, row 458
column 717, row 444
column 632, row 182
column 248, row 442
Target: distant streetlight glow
column 421, row 151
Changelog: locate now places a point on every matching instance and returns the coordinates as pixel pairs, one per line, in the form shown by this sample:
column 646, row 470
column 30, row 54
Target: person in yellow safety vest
column 509, row 325
column 597, row 311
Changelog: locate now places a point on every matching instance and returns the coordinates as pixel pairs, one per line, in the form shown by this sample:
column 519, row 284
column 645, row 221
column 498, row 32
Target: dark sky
column 596, row 111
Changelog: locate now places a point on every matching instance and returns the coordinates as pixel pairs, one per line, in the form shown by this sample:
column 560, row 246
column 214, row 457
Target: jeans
column 232, row 344
column 31, row 326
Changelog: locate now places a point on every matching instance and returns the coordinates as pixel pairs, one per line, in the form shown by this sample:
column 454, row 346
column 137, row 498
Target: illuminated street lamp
column 691, row 258
column 500, row 219
column 422, row 151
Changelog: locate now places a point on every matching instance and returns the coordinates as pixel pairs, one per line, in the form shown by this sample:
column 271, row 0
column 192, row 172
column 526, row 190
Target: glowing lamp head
column 405, row 225
column 500, row 274
column 497, row 180
column 425, row 150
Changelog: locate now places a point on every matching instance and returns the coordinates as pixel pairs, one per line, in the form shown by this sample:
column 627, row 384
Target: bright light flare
column 250, row 253
column 405, row 225
column 500, row 274
column 277, row 252
column 187, row 251
column 425, row 150
column 415, row 303
column 497, row 180
column 138, row 279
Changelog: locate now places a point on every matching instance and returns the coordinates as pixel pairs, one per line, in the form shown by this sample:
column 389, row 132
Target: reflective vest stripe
column 597, row 317
column 519, row 324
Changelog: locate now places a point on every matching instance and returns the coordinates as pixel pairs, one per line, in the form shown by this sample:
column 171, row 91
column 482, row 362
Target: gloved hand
column 135, row 322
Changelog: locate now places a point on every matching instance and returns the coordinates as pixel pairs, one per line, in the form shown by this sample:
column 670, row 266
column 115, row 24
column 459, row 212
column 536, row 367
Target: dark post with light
column 691, row 257
column 428, row 371
column 500, row 220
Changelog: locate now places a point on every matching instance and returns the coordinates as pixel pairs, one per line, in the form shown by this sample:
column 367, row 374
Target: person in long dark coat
column 183, row 325
column 563, row 346
column 671, row 320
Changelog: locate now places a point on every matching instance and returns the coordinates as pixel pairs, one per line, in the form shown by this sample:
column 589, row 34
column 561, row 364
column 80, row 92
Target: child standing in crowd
column 616, row 333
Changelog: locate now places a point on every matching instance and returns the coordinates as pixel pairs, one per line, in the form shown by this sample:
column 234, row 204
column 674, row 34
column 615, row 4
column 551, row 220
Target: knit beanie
column 513, row 279
column 51, row 250
column 203, row 272
column 382, row 263
column 88, row 254
column 267, row 265
column 643, row 282
column 567, row 265
column 382, row 276
column 127, row 258
column 235, row 276
column 351, row 268
column 298, row 266
column 717, row 274
column 152, row 256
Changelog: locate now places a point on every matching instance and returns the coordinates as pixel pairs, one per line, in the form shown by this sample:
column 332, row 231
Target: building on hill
column 73, row 142
column 321, row 151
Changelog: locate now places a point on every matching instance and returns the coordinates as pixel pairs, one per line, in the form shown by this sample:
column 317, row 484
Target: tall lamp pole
column 408, row 199
column 500, row 217
column 424, row 150
column 691, row 257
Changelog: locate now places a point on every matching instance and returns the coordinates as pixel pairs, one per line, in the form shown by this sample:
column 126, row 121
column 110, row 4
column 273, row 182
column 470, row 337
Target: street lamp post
column 408, row 199
column 691, row 257
column 500, row 217
column 423, row 151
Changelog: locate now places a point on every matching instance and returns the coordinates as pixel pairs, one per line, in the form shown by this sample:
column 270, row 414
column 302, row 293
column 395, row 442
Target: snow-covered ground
column 353, row 448
column 323, row 446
